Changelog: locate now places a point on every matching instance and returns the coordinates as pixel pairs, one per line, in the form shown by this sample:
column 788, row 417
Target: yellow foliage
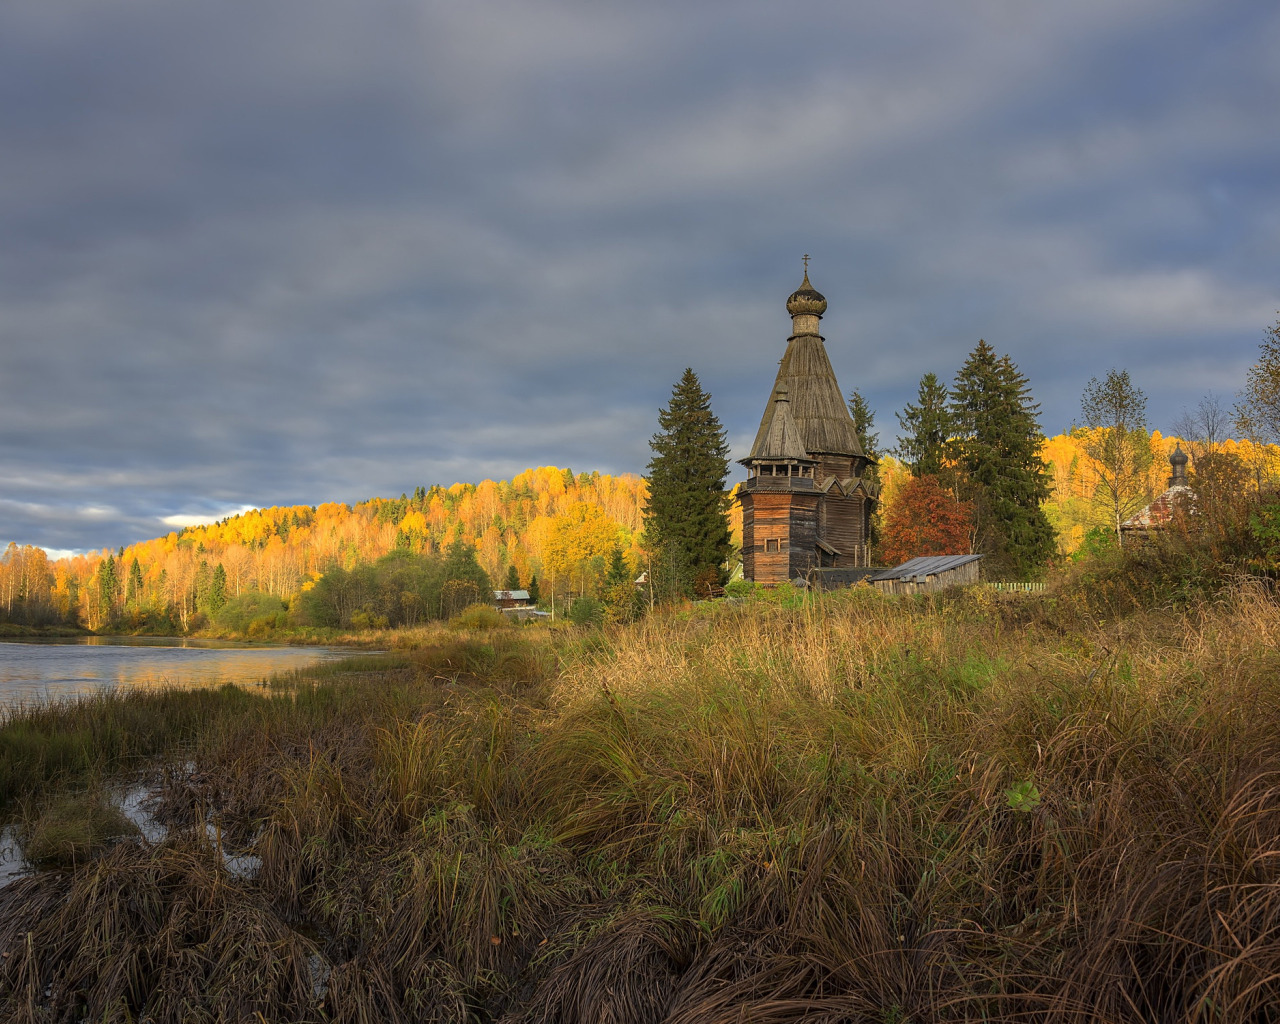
column 283, row 550
column 1074, row 478
column 414, row 522
column 579, row 543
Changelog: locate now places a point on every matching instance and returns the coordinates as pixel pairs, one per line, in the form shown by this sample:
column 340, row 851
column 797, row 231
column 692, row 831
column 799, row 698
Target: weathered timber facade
column 806, row 503
column 927, row 573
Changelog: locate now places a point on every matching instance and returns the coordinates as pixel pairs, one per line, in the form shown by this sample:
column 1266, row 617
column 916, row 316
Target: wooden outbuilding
column 505, row 599
column 927, row 573
column 807, row 501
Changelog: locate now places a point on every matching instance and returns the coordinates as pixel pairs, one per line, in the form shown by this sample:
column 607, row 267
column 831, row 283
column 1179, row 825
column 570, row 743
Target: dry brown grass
column 982, row 807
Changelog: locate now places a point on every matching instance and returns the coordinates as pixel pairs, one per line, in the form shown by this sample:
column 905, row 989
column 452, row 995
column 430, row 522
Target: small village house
column 507, row 599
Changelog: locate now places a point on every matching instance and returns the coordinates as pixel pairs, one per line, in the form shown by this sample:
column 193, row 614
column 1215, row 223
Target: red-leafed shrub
column 925, row 519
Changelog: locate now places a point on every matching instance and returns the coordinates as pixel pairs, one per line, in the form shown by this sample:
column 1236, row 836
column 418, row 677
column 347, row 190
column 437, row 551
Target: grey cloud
column 264, row 254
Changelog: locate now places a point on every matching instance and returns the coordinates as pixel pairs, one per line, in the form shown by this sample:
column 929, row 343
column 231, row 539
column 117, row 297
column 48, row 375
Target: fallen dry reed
column 981, row 807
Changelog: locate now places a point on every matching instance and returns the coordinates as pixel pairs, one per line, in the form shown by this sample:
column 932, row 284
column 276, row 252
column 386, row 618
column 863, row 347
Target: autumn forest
column 562, row 534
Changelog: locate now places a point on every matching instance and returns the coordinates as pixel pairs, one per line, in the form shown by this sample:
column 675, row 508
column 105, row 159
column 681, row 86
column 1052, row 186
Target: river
column 34, row 671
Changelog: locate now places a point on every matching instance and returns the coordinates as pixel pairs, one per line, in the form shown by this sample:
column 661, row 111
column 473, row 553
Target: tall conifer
column 926, row 429
column 685, row 522
column 619, row 573
column 218, row 589
column 864, row 420
column 997, row 442
column 133, row 588
column 108, row 582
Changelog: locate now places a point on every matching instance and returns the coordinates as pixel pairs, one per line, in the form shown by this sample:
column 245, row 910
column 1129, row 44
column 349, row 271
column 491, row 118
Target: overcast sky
column 260, row 252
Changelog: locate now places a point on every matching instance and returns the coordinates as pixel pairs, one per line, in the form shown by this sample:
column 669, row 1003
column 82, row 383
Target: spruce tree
column 513, row 577
column 685, row 522
column 997, row 442
column 108, row 583
column 926, row 430
column 863, row 420
column 203, row 581
column 218, row 589
column 133, row 588
column 618, row 570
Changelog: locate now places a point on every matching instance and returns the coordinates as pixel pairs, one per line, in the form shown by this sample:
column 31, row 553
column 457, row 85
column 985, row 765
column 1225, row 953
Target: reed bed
column 977, row 807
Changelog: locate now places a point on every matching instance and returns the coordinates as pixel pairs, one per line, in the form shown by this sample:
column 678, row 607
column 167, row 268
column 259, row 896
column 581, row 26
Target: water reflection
column 32, row 671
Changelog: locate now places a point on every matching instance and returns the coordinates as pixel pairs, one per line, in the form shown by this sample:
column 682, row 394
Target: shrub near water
column 253, row 612
column 854, row 809
column 479, row 616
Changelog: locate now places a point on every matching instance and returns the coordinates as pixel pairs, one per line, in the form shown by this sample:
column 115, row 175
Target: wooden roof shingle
column 817, row 406
column 781, row 437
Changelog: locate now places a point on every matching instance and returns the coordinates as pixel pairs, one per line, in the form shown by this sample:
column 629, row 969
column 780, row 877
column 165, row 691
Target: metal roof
column 926, row 565
column 1160, row 512
column 511, row 595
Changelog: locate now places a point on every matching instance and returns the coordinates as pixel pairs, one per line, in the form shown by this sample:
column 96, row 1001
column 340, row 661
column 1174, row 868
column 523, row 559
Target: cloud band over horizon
column 299, row 252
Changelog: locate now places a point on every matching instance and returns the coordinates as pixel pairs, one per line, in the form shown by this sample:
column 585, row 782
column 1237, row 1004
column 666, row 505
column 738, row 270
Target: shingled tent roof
column 781, row 437
column 817, row 407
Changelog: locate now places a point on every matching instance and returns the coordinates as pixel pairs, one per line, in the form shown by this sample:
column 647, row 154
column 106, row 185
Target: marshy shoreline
column 978, row 806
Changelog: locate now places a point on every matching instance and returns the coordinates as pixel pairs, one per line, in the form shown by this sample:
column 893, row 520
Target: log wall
column 841, row 523
column 958, row 577
column 786, row 517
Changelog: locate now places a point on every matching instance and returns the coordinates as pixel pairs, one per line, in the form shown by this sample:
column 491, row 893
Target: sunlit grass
column 859, row 808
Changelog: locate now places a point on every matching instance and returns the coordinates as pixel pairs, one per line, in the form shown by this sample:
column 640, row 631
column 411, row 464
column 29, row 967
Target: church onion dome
column 1178, row 461
column 806, row 299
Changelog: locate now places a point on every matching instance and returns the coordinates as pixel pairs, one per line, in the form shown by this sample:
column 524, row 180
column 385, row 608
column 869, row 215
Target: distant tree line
column 971, row 471
column 549, row 530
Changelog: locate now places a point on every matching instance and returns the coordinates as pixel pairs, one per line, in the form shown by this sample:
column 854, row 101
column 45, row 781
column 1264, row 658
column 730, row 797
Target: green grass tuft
column 72, row 829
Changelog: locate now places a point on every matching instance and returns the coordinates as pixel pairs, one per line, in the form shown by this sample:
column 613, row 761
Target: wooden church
column 806, row 503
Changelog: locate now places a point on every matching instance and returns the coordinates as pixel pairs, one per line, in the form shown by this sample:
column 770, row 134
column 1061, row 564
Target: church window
column 771, row 544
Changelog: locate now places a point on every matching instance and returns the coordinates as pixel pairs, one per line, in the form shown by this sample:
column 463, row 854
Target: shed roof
column 925, row 565
column 511, row 595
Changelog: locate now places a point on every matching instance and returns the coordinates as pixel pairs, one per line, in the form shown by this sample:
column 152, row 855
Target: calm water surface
column 39, row 670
